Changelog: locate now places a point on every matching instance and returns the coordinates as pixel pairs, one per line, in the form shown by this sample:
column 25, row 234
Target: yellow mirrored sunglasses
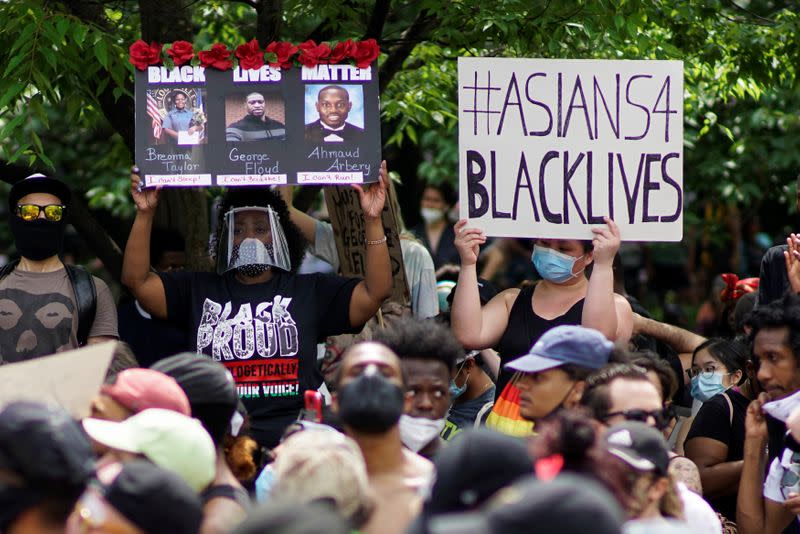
column 30, row 212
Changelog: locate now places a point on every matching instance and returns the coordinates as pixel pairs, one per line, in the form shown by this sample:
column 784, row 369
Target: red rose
column 342, row 50
column 312, row 54
column 283, row 54
column 143, row 54
column 365, row 53
column 181, row 52
column 250, row 55
column 218, row 57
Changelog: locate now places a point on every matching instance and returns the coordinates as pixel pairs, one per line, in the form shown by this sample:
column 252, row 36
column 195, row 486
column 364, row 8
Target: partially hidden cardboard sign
column 347, row 219
column 305, row 125
column 549, row 147
column 67, row 379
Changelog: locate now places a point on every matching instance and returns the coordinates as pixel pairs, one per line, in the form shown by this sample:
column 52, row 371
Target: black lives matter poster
column 199, row 127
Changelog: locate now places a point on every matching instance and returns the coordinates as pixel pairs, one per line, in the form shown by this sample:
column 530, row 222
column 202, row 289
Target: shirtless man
column 370, row 397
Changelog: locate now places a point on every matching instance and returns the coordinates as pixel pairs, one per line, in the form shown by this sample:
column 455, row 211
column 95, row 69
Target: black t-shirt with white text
column 265, row 334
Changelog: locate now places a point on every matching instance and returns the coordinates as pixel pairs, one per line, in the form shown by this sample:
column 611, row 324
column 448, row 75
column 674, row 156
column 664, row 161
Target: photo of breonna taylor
column 177, row 116
column 336, row 112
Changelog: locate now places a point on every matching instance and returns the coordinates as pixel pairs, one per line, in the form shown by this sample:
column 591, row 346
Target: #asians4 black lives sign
column 306, row 125
column 551, row 147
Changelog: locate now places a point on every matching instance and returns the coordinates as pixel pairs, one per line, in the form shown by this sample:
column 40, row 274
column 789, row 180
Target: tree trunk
column 186, row 211
column 270, row 16
column 182, row 210
column 165, row 22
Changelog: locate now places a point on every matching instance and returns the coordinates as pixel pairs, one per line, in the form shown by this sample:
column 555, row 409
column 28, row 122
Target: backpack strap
column 730, row 406
column 86, row 299
column 6, row 269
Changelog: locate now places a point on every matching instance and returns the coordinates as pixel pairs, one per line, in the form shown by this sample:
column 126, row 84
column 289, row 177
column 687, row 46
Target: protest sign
column 548, row 147
column 68, row 379
column 347, row 219
column 304, row 125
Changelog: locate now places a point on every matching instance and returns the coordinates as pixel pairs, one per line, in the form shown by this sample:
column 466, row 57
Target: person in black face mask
column 369, row 399
column 46, row 307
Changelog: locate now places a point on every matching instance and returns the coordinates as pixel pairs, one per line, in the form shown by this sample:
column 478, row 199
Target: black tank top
column 226, row 491
column 524, row 328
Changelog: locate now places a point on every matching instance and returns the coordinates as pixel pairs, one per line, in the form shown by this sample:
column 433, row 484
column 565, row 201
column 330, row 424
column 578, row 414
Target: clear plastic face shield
column 252, row 242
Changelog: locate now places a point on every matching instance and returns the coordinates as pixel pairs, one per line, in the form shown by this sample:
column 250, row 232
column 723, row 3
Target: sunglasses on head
column 30, row 212
column 642, row 416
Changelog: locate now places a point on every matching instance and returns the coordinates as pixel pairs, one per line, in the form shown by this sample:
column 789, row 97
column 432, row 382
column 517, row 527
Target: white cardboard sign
column 548, row 147
column 67, row 379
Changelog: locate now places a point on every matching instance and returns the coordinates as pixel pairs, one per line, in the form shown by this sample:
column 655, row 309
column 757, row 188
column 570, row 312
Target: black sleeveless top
column 226, row 491
column 524, row 328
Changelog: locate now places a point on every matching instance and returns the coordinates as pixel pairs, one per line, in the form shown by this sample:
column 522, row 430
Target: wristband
column 376, row 242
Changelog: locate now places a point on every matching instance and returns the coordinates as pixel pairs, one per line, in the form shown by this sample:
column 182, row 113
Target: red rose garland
column 181, row 52
column 142, row 54
column 250, row 55
column 365, row 53
column 312, row 54
column 342, row 51
column 283, row 52
column 217, row 57
column 280, row 54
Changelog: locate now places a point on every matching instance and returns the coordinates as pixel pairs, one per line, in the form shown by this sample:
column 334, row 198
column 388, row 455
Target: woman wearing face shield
column 514, row 319
column 255, row 314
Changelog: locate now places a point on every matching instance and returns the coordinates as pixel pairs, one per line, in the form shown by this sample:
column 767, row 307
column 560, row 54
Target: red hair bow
column 735, row 288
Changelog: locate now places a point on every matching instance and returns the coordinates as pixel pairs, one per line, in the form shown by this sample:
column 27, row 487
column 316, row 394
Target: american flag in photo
column 152, row 110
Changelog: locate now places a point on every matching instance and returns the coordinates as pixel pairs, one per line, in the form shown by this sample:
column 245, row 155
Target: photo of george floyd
column 255, row 115
column 334, row 114
column 177, row 116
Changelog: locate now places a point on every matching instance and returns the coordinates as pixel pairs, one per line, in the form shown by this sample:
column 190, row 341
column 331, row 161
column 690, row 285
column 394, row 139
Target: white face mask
column 431, row 215
column 416, row 432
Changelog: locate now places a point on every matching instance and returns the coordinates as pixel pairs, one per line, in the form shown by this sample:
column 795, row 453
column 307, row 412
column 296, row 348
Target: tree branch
column 119, row 113
column 377, row 20
column 323, row 31
column 415, row 34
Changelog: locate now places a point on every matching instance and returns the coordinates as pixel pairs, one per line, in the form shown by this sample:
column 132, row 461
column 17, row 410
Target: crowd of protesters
column 555, row 406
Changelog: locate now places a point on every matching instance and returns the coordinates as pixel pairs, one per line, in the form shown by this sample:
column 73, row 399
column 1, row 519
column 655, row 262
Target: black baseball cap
column 472, row 468
column 638, row 445
column 283, row 517
column 44, row 446
column 38, row 183
column 204, row 380
column 46, row 457
column 154, row 499
column 209, row 387
column 569, row 504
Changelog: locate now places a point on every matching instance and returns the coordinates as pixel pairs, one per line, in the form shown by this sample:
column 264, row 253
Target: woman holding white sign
column 514, row 319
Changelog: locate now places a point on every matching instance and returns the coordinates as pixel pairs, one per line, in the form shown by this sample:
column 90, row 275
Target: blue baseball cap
column 567, row 344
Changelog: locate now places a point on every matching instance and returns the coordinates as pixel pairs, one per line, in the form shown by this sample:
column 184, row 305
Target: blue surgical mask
column 264, row 483
column 455, row 391
column 552, row 265
column 706, row 385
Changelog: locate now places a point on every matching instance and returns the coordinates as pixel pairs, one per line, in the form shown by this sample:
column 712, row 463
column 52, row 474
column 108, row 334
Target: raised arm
column 682, row 341
column 756, row 514
column 305, row 222
column 376, row 287
column 476, row 327
column 600, row 296
column 145, row 285
column 792, row 258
